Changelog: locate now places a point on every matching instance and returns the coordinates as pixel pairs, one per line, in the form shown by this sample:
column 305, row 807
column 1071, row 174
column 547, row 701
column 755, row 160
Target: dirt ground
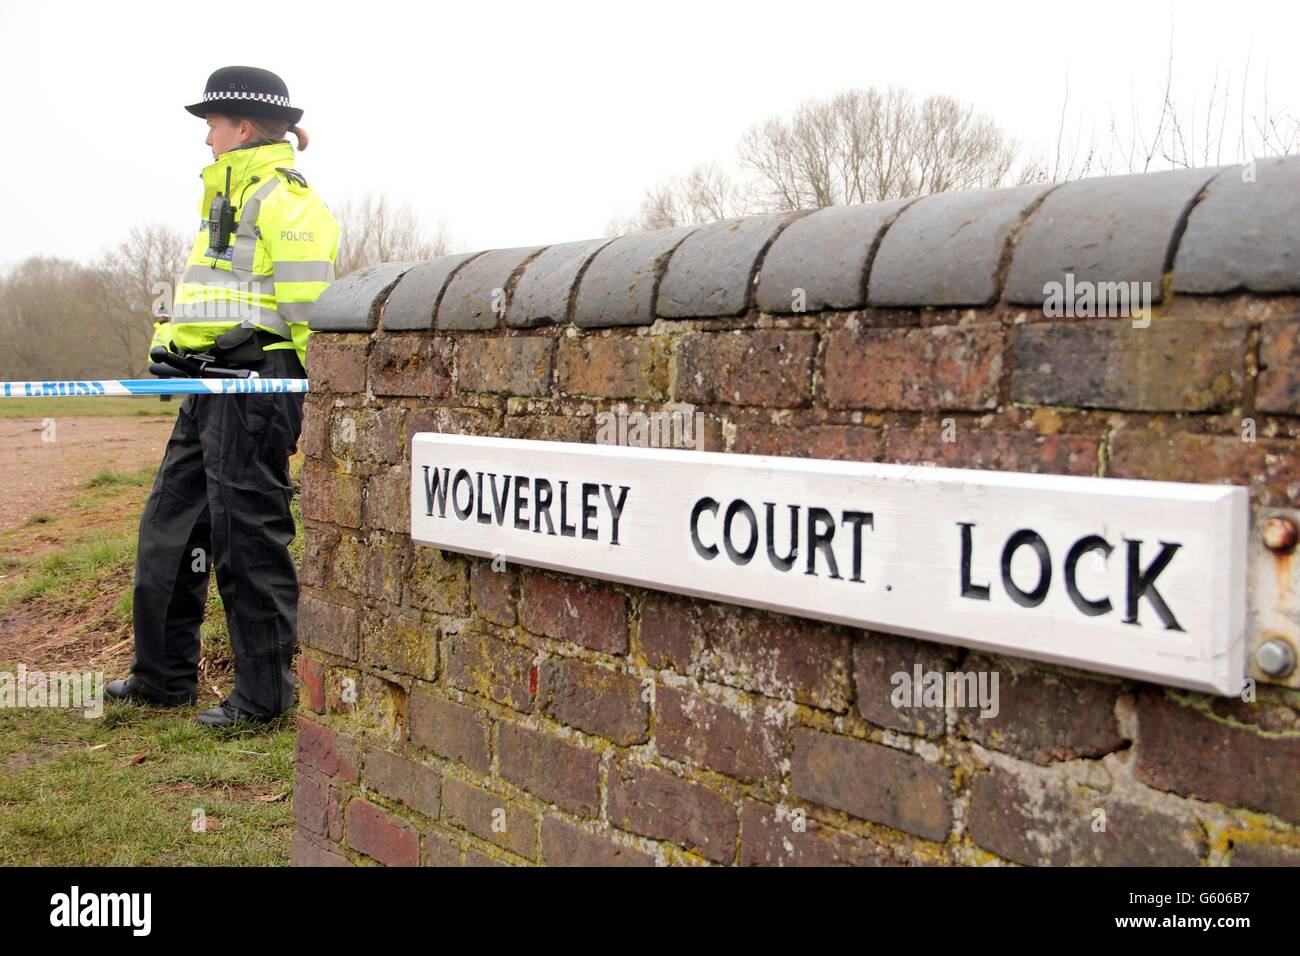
column 42, row 473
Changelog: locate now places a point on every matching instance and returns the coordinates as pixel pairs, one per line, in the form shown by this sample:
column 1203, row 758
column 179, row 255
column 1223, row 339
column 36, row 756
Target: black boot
column 226, row 715
column 128, row 691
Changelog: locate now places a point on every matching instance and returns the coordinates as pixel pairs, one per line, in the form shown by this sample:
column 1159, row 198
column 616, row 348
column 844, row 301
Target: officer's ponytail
column 301, row 135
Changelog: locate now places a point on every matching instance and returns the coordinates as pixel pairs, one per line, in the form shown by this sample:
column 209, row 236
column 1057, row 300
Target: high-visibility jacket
column 280, row 258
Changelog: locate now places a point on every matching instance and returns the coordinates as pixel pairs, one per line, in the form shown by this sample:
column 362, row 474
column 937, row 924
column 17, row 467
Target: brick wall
column 455, row 714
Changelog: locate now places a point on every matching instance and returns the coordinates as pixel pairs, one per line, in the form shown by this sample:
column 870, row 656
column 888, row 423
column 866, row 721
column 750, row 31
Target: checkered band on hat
column 243, row 95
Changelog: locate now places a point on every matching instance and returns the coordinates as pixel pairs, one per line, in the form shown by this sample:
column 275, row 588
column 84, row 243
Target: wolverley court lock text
column 1127, row 577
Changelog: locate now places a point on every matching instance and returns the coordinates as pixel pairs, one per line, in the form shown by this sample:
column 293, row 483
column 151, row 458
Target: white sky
column 523, row 123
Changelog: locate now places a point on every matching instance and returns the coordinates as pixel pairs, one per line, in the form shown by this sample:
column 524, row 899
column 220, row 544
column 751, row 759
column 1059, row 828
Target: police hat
column 246, row 91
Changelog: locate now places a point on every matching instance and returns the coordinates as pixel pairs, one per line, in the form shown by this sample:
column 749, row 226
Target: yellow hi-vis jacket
column 280, row 258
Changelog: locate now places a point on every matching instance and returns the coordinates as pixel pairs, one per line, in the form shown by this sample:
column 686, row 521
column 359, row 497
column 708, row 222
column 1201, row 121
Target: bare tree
column 868, row 145
column 143, row 268
column 48, row 311
column 860, row 145
column 705, row 194
column 1172, row 133
column 378, row 229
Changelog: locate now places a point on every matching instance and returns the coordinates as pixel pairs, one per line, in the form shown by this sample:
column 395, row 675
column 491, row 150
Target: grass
column 117, row 479
column 93, row 405
column 123, row 789
column 126, row 789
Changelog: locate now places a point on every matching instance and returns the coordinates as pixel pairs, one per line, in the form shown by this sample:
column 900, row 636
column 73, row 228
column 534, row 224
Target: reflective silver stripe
column 226, row 279
column 241, row 260
column 317, row 270
column 241, row 312
column 294, row 311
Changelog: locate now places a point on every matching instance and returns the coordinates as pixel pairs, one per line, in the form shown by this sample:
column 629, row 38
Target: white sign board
column 1141, row 579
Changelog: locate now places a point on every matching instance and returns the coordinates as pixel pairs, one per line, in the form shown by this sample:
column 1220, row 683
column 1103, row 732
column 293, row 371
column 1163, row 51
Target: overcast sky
column 523, row 123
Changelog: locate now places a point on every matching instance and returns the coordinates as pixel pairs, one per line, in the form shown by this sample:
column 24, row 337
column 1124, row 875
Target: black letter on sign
column 566, row 530
column 521, row 502
column 1144, row 583
column 857, row 519
column 462, row 513
column 819, row 539
column 589, row 491
column 436, row 487
column 542, row 502
column 1092, row 542
column 740, row 506
column 976, row 592
column 1027, row 598
column 708, row 553
column 615, row 508
column 780, row 563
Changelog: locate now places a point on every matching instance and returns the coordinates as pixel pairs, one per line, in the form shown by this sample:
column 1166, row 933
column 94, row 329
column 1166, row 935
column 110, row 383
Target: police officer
column 222, row 495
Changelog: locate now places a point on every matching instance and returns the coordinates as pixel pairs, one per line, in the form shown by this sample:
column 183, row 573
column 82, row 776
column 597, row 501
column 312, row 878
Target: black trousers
column 221, row 500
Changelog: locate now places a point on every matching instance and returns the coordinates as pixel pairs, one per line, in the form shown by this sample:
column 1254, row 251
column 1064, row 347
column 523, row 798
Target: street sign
column 1140, row 579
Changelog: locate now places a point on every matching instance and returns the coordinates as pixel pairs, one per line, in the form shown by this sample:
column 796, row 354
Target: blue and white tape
column 151, row 386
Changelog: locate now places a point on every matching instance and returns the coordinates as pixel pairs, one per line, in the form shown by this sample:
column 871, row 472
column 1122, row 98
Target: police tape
column 152, row 386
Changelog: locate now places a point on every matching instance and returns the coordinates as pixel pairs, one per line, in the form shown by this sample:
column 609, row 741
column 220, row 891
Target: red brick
column 550, row 769
column 572, row 609
column 383, row 837
column 328, row 496
column 494, row 593
column 1043, row 716
column 668, row 632
column 838, row 442
column 399, row 641
column 623, row 366
column 1169, row 366
column 873, row 782
column 319, row 748
column 566, row 845
column 335, row 364
column 311, row 676
column 414, row 364
column 440, row 849
column 1270, row 467
column 490, row 817
column 514, row 365
column 876, row 659
column 776, row 655
column 945, row 367
column 308, row 852
column 999, row 450
column 766, row 367
column 594, row 699
column 403, row 780
column 319, row 542
column 658, row 805
column 436, row 583
column 315, row 418
column 326, row 626
column 1231, row 754
column 484, row 665
column 387, row 502
column 572, row 428
column 747, row 746
column 452, row 731
column 769, row 838
column 450, row 421
column 310, row 801
column 1278, row 389
column 1048, row 822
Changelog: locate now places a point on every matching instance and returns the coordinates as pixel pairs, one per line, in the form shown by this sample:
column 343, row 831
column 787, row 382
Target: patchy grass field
column 94, row 406
column 136, row 786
